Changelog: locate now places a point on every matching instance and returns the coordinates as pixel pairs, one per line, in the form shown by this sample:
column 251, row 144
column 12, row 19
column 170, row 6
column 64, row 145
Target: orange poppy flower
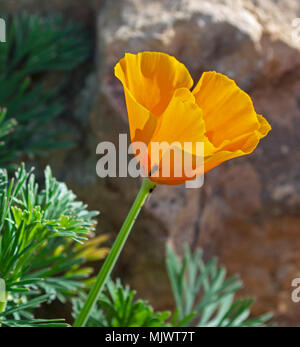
column 162, row 108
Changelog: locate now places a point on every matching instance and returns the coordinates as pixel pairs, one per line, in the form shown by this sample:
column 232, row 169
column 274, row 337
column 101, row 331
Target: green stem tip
column 110, row 261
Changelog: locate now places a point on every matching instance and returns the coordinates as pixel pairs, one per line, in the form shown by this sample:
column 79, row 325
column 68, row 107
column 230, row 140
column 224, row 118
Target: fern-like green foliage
column 203, row 295
column 41, row 244
column 36, row 46
column 118, row 308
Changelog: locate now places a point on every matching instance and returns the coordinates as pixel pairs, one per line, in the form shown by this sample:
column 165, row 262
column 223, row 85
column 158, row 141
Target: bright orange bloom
column 162, row 107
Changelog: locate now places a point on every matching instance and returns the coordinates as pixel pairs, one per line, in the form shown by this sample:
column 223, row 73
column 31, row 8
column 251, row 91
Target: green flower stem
column 146, row 188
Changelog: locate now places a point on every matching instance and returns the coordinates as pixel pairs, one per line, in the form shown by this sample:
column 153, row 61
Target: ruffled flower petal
column 228, row 111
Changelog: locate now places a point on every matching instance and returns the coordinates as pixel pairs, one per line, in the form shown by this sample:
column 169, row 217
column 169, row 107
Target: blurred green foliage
column 203, row 295
column 6, row 127
column 36, row 46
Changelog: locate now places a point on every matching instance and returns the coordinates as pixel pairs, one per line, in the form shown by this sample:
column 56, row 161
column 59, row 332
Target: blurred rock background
column 247, row 213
